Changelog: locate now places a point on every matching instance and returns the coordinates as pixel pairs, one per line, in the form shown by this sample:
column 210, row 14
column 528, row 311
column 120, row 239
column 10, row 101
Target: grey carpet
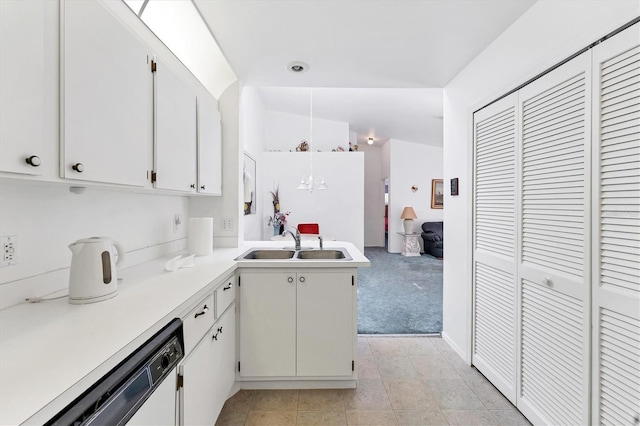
column 399, row 294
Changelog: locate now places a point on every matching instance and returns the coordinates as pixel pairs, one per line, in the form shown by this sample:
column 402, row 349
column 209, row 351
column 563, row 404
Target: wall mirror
column 249, row 180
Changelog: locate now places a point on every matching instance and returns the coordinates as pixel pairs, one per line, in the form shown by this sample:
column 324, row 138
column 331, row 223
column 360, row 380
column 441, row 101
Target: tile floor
column 401, row 381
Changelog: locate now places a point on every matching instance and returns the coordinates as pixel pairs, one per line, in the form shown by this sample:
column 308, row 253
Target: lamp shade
column 408, row 213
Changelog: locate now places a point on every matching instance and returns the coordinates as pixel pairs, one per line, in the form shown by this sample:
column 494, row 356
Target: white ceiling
column 361, row 52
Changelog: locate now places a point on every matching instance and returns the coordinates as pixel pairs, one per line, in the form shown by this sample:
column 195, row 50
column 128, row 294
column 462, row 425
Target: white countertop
column 52, row 351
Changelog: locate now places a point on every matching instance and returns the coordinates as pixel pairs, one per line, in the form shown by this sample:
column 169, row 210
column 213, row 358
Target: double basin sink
column 290, row 254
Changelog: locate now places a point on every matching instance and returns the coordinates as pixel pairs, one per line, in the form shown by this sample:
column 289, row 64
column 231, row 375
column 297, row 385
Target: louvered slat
column 552, row 356
column 553, row 152
column 495, row 309
column 494, row 185
column 619, row 368
column 620, row 171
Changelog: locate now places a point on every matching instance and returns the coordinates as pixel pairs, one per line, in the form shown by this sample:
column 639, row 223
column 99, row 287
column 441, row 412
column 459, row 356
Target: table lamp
column 408, row 214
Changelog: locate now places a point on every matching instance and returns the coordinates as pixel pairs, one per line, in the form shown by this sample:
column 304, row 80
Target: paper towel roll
column 200, row 236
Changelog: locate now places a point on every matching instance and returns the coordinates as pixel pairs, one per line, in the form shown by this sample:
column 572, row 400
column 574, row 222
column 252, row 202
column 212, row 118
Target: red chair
column 309, row 228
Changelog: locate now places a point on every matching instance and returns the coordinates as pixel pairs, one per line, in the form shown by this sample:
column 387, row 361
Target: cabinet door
column 554, row 270
column 325, row 325
column 107, row 98
column 22, row 104
column 494, row 272
column 616, row 227
column 175, row 144
column 209, row 146
column 267, row 324
column 224, row 358
column 199, row 383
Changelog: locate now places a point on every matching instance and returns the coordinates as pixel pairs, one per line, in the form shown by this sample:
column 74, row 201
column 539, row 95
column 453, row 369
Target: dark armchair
column 433, row 237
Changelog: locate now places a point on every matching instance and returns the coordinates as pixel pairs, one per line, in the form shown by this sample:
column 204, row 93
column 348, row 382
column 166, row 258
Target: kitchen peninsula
column 53, row 351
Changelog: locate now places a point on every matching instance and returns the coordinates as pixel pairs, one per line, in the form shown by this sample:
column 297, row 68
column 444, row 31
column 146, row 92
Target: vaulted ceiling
column 352, row 46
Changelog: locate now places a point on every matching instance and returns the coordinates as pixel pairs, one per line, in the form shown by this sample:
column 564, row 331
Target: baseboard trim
column 401, row 335
column 298, row 384
column 456, row 348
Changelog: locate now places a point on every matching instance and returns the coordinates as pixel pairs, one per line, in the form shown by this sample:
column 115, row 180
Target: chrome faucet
column 296, row 237
column 320, row 238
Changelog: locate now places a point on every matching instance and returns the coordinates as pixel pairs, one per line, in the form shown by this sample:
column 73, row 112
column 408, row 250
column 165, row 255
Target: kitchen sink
column 266, row 254
column 296, row 255
column 329, row 254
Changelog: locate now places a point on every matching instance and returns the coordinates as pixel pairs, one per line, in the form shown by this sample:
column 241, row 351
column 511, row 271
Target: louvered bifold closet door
column 616, row 230
column 495, row 300
column 554, row 270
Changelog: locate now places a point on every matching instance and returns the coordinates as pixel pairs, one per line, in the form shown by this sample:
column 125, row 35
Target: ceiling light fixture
column 310, row 183
column 370, row 141
column 297, row 67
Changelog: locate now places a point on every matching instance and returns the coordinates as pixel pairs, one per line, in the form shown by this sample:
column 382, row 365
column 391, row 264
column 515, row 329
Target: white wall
column 253, row 137
column 229, row 205
column 386, row 159
column 547, row 33
column 411, row 164
column 46, row 217
column 353, row 138
column 373, row 196
column 285, row 131
column 339, row 210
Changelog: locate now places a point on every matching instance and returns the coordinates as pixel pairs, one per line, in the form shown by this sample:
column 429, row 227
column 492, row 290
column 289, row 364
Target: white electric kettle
column 93, row 276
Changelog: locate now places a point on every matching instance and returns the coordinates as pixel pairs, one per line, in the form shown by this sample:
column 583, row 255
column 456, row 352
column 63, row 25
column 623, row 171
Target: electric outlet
column 9, row 246
column 226, row 224
column 177, row 221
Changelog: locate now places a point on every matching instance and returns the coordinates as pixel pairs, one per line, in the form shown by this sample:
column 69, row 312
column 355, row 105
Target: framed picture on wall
column 249, row 181
column 437, row 194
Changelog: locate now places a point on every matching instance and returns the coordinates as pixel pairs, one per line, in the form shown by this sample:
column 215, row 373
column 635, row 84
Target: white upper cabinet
column 22, row 104
column 209, row 146
column 175, row 141
column 107, row 97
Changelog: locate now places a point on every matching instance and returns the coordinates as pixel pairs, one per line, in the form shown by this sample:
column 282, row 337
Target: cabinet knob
column 301, row 279
column 34, row 161
column 215, row 336
column 290, row 279
column 219, row 329
column 78, row 167
column 193, row 186
column 202, row 187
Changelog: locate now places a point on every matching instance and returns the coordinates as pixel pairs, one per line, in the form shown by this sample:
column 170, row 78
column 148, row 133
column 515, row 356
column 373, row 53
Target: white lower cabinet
column 207, row 373
column 297, row 324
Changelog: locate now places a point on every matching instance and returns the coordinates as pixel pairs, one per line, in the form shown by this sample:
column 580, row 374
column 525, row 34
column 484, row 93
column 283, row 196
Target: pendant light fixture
column 310, row 182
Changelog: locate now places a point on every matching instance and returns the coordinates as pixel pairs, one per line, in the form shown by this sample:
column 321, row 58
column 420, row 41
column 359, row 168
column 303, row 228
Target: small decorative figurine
column 304, row 146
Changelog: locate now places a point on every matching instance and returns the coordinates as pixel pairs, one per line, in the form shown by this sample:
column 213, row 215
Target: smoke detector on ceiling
column 297, row 67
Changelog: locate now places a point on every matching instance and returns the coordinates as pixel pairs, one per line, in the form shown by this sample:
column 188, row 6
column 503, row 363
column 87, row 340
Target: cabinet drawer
column 197, row 322
column 225, row 295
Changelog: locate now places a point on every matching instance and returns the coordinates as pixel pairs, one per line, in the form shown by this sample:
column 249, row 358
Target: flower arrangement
column 276, row 200
column 278, row 219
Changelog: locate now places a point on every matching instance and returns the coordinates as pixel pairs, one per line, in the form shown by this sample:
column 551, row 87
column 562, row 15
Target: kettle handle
column 121, row 253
